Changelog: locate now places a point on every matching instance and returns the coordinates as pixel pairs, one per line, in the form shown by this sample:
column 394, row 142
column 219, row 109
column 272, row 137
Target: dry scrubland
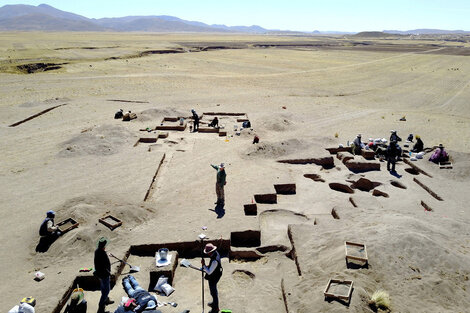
column 79, row 161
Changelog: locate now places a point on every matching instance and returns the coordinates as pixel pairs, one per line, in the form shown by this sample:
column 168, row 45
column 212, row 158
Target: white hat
column 222, row 165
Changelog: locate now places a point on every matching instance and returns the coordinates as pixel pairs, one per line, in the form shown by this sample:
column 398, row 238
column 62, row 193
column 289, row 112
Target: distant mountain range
column 46, row 18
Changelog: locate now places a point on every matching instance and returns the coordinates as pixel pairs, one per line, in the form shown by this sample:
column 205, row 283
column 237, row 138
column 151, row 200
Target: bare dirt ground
column 299, row 92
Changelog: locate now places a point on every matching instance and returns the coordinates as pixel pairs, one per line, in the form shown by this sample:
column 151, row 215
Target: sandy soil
column 77, row 160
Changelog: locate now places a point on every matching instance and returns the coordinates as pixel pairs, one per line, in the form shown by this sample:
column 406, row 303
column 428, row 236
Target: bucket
column 163, row 252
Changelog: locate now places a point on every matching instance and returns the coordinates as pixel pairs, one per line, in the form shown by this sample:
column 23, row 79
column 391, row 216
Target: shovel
column 134, row 269
column 186, row 263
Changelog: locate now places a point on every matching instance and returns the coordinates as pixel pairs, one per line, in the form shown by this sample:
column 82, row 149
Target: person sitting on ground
column 196, row 120
column 77, row 303
column 214, row 123
column 256, row 139
column 410, row 138
column 143, row 298
column 246, row 124
column 419, row 145
column 392, row 155
column 118, row 114
column 440, row 155
column 48, row 229
column 357, row 145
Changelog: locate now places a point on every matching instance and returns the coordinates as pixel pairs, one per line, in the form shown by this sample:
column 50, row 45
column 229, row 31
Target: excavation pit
column 411, row 171
column 339, row 149
column 314, row 177
column 341, row 187
column 251, row 209
column 243, row 278
column 365, row 184
column 185, row 249
column 208, row 130
column 274, row 225
column 268, row 198
column 285, row 189
column 397, row 184
column 172, row 123
column 378, row 193
column 325, row 162
column 167, row 270
column 245, row 239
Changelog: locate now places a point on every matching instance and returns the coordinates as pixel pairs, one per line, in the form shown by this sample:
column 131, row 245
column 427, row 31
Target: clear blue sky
column 303, row 15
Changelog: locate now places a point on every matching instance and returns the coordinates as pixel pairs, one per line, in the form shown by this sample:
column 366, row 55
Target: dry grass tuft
column 380, row 300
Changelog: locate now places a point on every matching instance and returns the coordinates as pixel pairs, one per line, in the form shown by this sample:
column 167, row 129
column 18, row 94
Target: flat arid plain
column 302, row 95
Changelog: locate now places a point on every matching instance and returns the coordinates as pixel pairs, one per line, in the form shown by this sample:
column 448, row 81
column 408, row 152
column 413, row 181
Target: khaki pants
column 219, row 190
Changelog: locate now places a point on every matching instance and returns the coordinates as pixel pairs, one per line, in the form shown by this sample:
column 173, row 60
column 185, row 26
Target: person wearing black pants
column 103, row 272
column 392, row 153
column 196, row 120
column 213, row 274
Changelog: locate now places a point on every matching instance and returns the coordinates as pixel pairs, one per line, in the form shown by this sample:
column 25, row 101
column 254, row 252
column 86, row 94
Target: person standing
column 392, row 154
column 220, row 183
column 213, row 274
column 103, row 272
column 196, row 120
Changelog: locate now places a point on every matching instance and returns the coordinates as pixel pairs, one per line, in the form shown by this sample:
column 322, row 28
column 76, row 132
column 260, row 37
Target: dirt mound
column 87, row 210
column 277, row 122
column 156, row 114
column 102, row 140
column 276, row 149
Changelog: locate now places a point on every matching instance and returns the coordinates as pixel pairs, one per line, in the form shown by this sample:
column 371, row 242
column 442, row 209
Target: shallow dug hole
column 341, row 187
column 412, row 171
column 39, row 67
column 243, row 278
column 274, row 223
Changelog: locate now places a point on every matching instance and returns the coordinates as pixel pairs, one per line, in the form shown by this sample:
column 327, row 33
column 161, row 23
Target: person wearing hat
column 419, row 145
column 77, row 302
column 394, row 136
column 143, row 298
column 220, row 183
column 196, row 120
column 392, row 155
column 440, row 155
column 357, row 145
column 213, row 274
column 48, row 230
column 103, row 272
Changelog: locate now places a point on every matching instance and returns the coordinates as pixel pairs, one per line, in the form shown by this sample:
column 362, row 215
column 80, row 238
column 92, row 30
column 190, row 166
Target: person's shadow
column 219, row 210
column 45, row 243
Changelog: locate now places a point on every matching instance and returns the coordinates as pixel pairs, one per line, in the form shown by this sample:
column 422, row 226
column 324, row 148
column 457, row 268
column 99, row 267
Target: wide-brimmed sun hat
column 102, row 242
column 209, row 248
column 222, row 165
column 77, row 296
